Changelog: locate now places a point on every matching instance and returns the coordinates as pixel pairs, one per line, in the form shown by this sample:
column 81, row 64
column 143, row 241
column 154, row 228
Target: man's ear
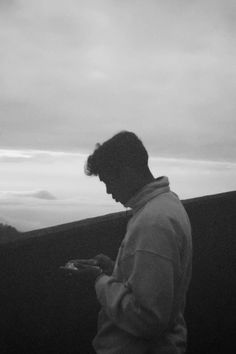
column 127, row 172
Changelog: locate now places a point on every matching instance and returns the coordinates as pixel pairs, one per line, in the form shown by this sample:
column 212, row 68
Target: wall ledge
column 21, row 237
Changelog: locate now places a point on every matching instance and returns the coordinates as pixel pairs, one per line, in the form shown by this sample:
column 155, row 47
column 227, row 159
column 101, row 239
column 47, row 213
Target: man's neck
column 142, row 182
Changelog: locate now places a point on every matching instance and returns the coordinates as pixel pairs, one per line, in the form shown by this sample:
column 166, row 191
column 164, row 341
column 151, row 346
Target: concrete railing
column 42, row 311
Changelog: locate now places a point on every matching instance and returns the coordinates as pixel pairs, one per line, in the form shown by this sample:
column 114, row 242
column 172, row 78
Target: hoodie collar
column 158, row 186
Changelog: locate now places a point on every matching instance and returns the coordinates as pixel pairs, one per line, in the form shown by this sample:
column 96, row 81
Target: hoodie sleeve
column 142, row 305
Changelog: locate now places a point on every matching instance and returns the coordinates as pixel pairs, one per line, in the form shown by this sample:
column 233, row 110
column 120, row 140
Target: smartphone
column 70, row 266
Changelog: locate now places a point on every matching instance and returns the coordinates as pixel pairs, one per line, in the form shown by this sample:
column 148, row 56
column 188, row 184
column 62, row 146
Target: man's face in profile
column 116, row 186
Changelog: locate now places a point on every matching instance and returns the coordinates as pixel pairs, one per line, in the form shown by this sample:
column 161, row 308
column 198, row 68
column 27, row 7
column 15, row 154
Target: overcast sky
column 75, row 72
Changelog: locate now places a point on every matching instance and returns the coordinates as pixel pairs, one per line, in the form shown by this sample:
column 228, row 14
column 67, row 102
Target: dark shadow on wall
column 44, row 312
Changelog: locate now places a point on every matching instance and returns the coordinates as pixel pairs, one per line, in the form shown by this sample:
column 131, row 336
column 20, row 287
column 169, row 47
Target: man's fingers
column 82, row 262
column 92, row 262
column 101, row 256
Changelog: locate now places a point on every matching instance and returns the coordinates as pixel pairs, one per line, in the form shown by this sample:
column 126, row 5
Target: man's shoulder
column 162, row 212
column 150, row 215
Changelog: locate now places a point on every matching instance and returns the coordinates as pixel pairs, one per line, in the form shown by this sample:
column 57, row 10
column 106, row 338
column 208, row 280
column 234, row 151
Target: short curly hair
column 123, row 149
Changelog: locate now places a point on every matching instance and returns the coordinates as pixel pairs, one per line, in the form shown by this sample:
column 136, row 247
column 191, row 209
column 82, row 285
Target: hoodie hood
column 158, row 186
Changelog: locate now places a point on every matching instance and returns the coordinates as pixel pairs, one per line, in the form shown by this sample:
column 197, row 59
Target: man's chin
column 118, row 201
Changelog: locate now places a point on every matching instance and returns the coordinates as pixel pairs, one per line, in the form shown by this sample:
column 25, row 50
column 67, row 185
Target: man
column 143, row 297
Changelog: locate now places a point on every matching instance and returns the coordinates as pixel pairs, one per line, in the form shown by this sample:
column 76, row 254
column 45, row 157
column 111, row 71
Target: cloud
column 40, row 195
column 73, row 73
column 14, row 156
column 44, row 195
column 37, row 156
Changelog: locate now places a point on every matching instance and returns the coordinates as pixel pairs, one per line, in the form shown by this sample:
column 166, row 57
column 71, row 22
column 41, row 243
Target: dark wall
column 211, row 306
column 43, row 311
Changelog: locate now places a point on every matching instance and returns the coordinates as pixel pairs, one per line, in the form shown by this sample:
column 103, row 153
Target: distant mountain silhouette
column 8, row 233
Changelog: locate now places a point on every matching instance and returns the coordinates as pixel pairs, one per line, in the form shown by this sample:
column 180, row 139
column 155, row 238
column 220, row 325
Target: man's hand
column 93, row 267
column 105, row 263
column 85, row 266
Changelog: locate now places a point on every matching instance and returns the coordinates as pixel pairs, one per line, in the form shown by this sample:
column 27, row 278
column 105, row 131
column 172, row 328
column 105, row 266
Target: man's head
column 121, row 163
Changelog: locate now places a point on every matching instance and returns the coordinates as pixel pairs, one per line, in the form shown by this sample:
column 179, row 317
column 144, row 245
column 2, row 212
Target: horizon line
column 24, row 153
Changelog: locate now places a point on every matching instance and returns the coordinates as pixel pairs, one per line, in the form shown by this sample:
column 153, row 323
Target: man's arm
column 143, row 304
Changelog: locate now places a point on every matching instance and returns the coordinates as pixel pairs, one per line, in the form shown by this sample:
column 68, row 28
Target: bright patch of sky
column 44, row 188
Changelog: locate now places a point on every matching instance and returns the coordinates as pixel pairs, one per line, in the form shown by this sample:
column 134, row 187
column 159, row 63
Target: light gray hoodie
column 143, row 301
